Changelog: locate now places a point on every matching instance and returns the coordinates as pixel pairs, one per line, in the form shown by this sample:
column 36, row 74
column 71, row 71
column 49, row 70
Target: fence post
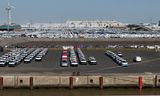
column 1, row 82
column 71, row 82
column 101, row 82
column 155, row 81
column 31, row 82
column 140, row 83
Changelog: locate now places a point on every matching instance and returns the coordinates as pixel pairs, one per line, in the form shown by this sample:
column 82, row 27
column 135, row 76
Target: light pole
column 8, row 9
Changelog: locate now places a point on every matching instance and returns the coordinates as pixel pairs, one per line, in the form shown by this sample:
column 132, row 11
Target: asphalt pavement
column 51, row 63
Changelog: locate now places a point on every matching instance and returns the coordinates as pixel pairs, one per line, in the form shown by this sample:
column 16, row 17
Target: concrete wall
column 149, row 81
column 45, row 81
column 64, row 81
column 23, row 81
column 80, row 81
column 9, row 81
column 116, row 81
column 93, row 81
column 128, row 81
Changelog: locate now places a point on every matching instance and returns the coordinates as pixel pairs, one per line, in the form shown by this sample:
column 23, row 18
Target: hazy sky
column 132, row 11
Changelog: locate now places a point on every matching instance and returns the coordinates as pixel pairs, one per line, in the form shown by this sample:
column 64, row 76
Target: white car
column 73, row 62
column 27, row 60
column 2, row 64
column 137, row 59
column 12, row 64
column 64, row 63
column 92, row 61
column 119, row 54
column 38, row 58
column 124, row 63
column 83, row 61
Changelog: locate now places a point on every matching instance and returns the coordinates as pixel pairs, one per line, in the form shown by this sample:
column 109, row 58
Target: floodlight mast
column 9, row 15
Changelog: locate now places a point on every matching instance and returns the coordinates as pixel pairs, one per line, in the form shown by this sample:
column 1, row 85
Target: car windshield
column 64, row 61
column 92, row 58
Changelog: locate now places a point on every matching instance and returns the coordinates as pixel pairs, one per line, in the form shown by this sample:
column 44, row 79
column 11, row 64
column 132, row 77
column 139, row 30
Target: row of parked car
column 64, row 58
column 117, row 58
column 81, row 56
column 82, row 33
column 35, row 53
column 41, row 54
column 74, row 58
column 13, row 58
column 18, row 55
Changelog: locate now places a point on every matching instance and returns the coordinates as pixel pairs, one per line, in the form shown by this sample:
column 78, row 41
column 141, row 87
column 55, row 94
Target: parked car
column 92, row 61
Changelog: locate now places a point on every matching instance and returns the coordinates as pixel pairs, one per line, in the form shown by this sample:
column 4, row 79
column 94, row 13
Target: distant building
column 73, row 24
column 94, row 24
column 11, row 27
column 152, row 26
column 43, row 26
column 140, row 27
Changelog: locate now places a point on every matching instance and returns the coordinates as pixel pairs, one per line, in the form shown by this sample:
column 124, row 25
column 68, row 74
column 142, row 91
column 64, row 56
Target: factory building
column 73, row 24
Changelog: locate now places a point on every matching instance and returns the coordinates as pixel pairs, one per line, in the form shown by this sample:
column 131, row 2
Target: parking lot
column 51, row 63
column 81, row 33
